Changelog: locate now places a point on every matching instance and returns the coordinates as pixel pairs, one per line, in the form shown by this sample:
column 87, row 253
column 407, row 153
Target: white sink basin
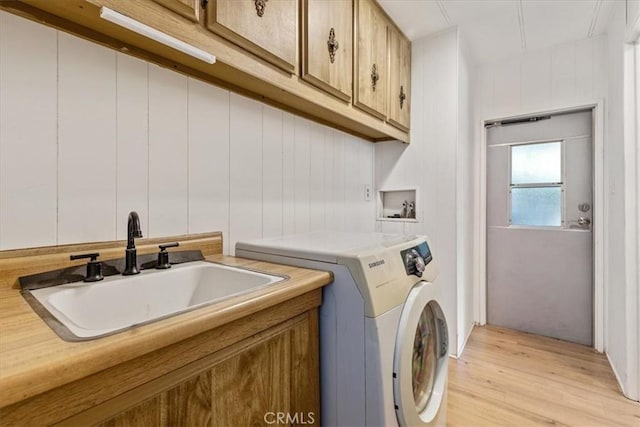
column 89, row 310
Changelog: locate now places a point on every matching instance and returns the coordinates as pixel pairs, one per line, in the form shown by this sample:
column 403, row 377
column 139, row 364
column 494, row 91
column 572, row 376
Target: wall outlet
column 367, row 193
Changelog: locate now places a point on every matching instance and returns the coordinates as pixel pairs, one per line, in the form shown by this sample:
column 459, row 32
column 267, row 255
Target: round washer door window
column 425, row 358
column 420, row 358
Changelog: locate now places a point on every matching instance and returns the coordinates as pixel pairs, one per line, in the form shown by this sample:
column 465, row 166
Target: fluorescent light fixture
column 145, row 30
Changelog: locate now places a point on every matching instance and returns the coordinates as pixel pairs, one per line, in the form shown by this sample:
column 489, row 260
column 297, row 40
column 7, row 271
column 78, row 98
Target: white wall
column 623, row 321
column 88, row 134
column 633, row 20
column 578, row 73
column 637, row 220
column 568, row 74
column 465, row 207
column 616, row 320
column 572, row 73
column 563, row 75
column 438, row 162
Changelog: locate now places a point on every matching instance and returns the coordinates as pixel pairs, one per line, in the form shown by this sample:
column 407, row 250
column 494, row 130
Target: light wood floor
column 509, row 378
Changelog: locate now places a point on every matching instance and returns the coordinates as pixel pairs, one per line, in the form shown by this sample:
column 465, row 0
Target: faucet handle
column 163, row 255
column 94, row 268
column 93, row 256
column 168, row 245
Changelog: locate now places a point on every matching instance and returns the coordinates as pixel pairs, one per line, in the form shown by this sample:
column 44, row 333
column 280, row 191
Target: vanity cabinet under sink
column 273, row 371
column 234, row 362
column 262, row 373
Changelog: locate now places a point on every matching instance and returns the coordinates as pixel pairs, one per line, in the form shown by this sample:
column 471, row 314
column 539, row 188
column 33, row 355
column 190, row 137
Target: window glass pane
column 536, row 206
column 536, row 163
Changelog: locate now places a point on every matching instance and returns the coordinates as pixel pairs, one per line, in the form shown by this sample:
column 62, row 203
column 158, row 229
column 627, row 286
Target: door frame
column 599, row 215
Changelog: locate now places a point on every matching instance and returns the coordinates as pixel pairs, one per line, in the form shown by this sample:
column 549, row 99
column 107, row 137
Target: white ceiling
column 494, row 29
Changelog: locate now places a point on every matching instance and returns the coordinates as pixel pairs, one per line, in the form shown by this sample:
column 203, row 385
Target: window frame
column 560, row 184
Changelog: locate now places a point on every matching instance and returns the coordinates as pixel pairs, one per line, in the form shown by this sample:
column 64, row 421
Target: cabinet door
column 268, row 29
column 370, row 77
column 189, row 403
column 279, row 374
column 399, row 111
column 188, row 8
column 273, row 371
column 327, row 39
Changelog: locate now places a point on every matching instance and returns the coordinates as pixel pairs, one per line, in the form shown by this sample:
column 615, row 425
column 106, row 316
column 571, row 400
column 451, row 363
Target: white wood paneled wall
column 431, row 162
column 29, row 151
column 88, row 134
column 566, row 74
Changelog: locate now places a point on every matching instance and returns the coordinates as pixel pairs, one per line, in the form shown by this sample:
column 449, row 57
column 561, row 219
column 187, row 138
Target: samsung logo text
column 376, row 263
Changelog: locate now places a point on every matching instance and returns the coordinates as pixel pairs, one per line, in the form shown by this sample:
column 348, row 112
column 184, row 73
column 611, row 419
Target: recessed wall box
column 398, row 205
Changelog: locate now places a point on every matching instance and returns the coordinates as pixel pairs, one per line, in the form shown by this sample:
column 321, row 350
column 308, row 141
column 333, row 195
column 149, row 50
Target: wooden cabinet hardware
column 374, row 77
column 332, row 45
column 260, row 6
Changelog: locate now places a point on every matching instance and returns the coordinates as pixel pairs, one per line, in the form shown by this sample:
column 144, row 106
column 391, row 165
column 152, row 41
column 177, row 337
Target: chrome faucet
column 131, row 256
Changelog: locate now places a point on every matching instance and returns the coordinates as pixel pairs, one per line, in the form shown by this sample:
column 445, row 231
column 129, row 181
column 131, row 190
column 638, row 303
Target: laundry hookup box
column 398, row 205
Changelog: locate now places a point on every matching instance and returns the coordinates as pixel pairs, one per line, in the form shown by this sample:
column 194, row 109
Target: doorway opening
column 540, row 223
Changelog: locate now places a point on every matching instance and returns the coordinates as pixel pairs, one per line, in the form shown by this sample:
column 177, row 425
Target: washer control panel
column 416, row 259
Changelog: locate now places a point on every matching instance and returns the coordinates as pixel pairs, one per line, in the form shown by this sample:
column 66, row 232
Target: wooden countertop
column 33, row 359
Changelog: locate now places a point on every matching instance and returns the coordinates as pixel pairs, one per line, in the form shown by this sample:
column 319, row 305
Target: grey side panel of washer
column 342, row 347
column 381, row 336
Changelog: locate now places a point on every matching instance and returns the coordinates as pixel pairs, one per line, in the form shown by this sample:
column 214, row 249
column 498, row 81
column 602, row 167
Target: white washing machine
column 383, row 335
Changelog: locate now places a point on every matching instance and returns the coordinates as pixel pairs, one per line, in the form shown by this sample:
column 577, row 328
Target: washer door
column 420, row 360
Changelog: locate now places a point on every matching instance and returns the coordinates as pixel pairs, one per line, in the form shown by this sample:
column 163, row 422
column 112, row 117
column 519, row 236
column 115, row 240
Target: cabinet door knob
column 374, row 77
column 260, row 5
column 402, row 96
column 332, row 45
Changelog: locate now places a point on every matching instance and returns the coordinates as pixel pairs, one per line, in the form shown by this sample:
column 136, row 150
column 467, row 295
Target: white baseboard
column 615, row 373
column 464, row 343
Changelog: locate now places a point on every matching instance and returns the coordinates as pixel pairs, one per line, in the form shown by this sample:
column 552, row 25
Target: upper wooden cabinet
column 370, row 71
column 398, row 111
column 188, row 8
column 268, row 29
column 327, row 39
column 267, row 50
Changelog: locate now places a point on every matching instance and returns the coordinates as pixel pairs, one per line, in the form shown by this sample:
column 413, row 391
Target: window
column 536, row 184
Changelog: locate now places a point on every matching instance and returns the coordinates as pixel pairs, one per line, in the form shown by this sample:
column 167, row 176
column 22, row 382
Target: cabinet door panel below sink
column 273, row 371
